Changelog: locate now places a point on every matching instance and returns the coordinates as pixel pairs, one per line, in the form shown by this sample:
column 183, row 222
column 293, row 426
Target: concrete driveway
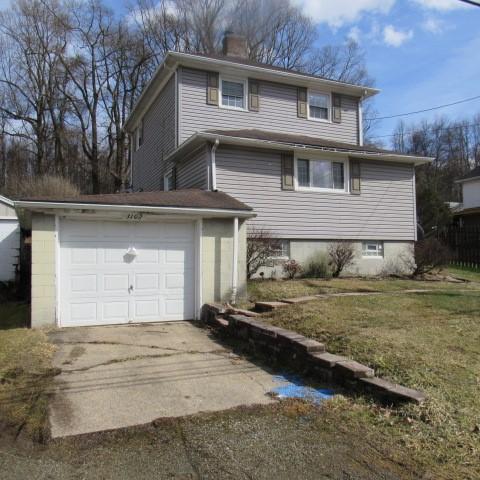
column 114, row 377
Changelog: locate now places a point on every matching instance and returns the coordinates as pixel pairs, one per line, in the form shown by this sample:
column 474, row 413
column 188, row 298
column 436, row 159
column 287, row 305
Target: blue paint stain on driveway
column 294, row 388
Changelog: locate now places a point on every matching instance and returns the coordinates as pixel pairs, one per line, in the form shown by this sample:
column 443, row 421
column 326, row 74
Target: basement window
column 372, row 249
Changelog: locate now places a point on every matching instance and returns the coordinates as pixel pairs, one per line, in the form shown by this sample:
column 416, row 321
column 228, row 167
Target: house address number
column 135, row 216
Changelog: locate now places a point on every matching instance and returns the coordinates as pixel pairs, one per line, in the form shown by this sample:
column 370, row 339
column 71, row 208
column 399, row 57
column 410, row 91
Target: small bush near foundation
column 292, row 269
column 317, row 267
column 340, row 256
column 261, row 247
column 430, row 254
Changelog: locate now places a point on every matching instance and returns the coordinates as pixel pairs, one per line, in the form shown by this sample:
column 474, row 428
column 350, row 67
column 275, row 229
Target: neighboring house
column 467, row 213
column 9, row 240
column 220, row 145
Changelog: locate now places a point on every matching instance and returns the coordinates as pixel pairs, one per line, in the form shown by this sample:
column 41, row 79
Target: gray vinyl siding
column 192, row 172
column 278, row 112
column 159, row 140
column 384, row 210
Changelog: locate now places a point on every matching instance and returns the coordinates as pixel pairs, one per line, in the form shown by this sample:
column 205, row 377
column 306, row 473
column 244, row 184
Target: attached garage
column 119, row 272
column 141, row 257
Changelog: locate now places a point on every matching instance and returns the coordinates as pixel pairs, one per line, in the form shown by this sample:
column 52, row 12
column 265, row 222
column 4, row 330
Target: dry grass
column 25, row 373
column 268, row 290
column 429, row 341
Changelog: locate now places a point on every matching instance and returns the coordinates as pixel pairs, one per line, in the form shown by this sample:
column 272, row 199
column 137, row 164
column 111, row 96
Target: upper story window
column 233, row 93
column 320, row 175
column 319, row 106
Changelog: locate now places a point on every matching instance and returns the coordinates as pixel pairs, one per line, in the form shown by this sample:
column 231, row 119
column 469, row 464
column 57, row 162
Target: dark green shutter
column 253, row 96
column 287, row 171
column 212, row 88
column 355, row 172
column 337, row 108
column 302, row 103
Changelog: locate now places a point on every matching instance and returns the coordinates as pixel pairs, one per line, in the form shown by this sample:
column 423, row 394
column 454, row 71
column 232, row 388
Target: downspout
column 360, row 122
column 214, row 165
column 235, row 262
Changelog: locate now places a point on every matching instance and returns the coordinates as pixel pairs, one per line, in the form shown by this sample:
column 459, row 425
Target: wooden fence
column 464, row 242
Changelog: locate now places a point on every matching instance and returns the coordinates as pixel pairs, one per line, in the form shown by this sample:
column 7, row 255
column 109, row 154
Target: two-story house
column 467, row 213
column 220, row 146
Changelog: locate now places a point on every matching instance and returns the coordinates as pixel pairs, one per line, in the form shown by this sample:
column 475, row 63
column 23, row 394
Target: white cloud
column 442, row 5
column 433, row 25
column 394, row 37
column 339, row 12
column 354, row 34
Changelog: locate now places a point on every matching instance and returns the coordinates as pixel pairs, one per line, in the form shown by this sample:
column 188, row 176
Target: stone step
column 269, row 306
column 296, row 300
column 352, row 369
column 394, row 392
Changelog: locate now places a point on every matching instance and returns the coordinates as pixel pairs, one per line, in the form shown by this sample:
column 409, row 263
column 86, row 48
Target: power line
column 471, row 2
column 426, row 109
column 431, row 128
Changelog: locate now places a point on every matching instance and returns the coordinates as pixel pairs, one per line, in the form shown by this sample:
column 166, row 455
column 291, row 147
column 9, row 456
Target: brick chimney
column 234, row 45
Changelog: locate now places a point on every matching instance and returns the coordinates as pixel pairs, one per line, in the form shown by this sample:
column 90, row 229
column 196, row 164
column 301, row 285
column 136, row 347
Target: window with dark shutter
column 212, row 88
column 287, row 171
column 302, row 102
column 355, row 171
column 253, row 96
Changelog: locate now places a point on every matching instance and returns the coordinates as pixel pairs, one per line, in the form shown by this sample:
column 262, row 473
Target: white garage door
column 120, row 272
column 9, row 248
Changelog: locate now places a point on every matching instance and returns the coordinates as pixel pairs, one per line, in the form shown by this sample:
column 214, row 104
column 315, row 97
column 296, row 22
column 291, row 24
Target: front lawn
column 268, row 290
column 428, row 341
column 25, row 372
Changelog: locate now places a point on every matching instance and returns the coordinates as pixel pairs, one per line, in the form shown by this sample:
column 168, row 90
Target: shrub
column 430, row 253
column 317, row 267
column 340, row 256
column 42, row 186
column 292, row 268
column 261, row 246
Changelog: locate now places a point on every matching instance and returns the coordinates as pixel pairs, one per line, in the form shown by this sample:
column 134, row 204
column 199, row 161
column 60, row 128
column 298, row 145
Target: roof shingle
column 188, row 198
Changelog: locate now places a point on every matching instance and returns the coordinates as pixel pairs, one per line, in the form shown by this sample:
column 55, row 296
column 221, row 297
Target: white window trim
column 380, row 251
column 282, row 257
column 245, row 92
column 346, row 173
column 165, row 181
column 329, row 95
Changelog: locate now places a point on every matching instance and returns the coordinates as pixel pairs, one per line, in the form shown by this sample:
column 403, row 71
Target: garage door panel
column 147, row 255
column 84, row 312
column 96, row 273
column 147, row 308
column 115, row 283
column 115, row 311
column 81, row 283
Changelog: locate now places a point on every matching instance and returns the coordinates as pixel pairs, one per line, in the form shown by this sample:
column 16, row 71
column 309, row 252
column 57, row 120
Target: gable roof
column 259, row 71
column 475, row 173
column 282, row 141
column 191, row 199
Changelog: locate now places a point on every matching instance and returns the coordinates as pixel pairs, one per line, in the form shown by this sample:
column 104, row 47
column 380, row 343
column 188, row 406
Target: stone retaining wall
column 281, row 346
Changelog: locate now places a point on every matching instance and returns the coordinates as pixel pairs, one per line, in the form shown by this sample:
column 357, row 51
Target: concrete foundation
column 393, row 261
